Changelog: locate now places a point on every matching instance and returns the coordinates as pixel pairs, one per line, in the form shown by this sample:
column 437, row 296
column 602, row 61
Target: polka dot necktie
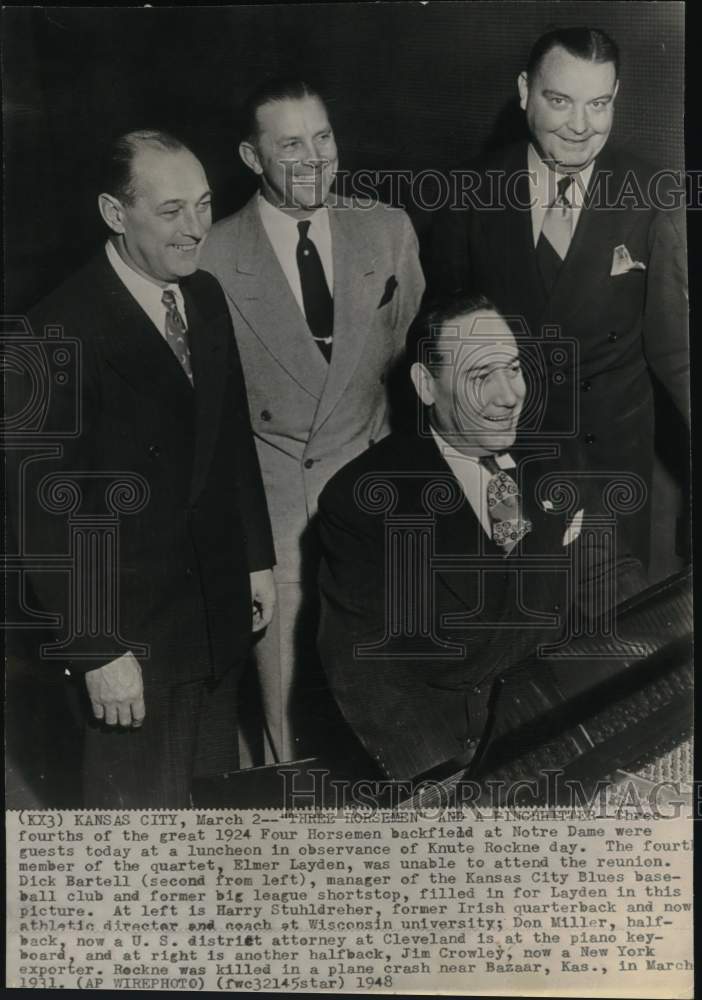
column 509, row 525
column 317, row 301
column 176, row 332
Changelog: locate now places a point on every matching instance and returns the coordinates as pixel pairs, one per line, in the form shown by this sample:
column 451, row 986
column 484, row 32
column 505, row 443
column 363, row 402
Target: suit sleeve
column 252, row 498
column 665, row 323
column 63, row 444
column 411, row 284
column 405, row 723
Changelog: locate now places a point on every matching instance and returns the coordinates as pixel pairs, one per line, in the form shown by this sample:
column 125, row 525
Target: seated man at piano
column 449, row 552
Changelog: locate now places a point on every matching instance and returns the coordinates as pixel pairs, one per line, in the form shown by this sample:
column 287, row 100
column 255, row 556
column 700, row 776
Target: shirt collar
column 146, row 292
column 543, row 182
column 280, row 220
column 504, row 460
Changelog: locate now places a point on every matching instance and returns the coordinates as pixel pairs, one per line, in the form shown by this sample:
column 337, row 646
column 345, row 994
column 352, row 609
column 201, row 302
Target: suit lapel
column 589, row 258
column 134, row 347
column 458, row 531
column 354, row 265
column 264, row 298
column 208, row 351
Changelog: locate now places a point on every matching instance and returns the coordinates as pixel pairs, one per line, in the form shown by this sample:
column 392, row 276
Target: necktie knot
column 563, row 186
column 303, row 228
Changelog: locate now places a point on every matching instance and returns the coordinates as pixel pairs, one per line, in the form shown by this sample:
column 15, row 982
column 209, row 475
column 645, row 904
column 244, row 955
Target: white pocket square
column 574, row 528
column 622, row 262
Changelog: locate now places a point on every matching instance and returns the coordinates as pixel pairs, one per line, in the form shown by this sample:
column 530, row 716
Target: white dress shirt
column 147, row 293
column 472, row 477
column 543, row 191
column 284, row 235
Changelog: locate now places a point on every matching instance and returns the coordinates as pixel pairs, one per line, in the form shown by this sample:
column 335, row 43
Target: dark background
column 410, row 87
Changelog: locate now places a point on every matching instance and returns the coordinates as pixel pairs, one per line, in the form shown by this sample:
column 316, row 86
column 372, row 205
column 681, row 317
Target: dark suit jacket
column 622, row 326
column 185, row 554
column 417, row 702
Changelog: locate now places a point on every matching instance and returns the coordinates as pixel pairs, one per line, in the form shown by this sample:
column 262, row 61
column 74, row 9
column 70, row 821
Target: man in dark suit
column 445, row 560
column 321, row 292
column 567, row 232
column 155, row 613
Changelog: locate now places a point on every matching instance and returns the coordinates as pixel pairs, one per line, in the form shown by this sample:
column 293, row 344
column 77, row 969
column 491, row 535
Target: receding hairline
column 155, row 149
column 590, row 60
column 271, row 101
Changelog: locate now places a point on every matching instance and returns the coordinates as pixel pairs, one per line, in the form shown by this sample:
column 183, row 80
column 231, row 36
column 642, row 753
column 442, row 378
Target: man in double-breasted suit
column 570, row 234
column 445, row 560
column 156, row 627
column 321, row 292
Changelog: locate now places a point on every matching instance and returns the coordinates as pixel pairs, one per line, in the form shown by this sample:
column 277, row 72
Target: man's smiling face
column 164, row 224
column 569, row 106
column 473, row 383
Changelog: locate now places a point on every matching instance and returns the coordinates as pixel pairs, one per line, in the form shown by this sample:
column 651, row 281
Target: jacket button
column 612, row 337
column 309, row 462
column 589, row 439
column 586, row 385
column 154, row 450
column 476, row 690
column 556, row 607
column 265, row 414
column 188, row 572
column 382, row 379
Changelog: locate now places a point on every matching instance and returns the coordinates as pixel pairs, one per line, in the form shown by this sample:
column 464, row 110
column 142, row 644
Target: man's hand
column 262, row 598
column 116, row 692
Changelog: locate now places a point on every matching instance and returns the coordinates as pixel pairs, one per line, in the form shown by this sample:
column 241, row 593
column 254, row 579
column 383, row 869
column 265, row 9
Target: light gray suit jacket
column 310, row 418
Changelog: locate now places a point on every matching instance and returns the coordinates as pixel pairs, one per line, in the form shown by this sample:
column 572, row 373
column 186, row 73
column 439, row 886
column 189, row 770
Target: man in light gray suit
column 321, row 292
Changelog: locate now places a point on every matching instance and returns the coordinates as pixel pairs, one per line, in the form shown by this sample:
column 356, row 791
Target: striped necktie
column 556, row 233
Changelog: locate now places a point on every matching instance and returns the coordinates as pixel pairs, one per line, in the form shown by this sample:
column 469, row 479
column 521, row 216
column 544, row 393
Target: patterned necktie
column 177, row 332
column 504, row 507
column 317, row 301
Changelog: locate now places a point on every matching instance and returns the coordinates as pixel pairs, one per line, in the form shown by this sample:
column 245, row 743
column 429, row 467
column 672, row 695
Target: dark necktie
column 176, row 332
column 556, row 233
column 318, row 303
column 509, row 525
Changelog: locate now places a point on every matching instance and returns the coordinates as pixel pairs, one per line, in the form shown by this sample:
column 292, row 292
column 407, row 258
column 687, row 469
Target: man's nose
column 195, row 224
column 315, row 156
column 508, row 390
column 578, row 120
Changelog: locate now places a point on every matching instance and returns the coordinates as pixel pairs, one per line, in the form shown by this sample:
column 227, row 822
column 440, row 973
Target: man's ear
column 112, row 212
column 523, row 88
column 248, row 153
column 615, row 91
column 423, row 383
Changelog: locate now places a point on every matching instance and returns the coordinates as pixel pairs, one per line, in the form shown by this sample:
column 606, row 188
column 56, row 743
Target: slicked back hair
column 427, row 327
column 591, row 44
column 117, row 176
column 276, row 89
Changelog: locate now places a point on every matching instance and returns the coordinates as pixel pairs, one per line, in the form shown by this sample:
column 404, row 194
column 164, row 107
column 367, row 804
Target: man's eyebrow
column 557, row 93
column 502, row 362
